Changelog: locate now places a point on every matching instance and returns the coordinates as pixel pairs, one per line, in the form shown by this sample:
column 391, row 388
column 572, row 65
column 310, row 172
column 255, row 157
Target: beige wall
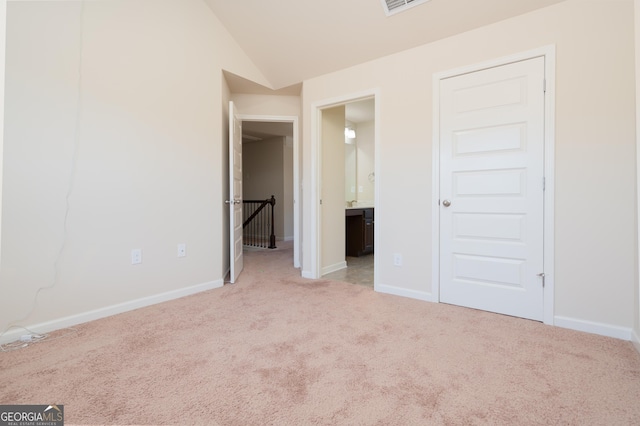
column 120, row 110
column 636, row 328
column 595, row 254
column 3, row 35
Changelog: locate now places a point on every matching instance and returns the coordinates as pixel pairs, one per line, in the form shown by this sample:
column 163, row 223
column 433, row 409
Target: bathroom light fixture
column 349, row 133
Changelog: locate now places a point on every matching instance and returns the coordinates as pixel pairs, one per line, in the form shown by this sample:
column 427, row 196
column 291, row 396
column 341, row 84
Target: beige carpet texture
column 276, row 349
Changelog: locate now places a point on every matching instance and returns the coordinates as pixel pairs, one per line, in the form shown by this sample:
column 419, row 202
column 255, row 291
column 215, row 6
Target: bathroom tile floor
column 359, row 271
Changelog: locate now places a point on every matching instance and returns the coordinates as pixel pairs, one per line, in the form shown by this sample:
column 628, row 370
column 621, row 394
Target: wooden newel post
column 272, row 238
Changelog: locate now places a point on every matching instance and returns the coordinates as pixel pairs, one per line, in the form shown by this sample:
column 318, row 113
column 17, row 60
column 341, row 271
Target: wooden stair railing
column 258, row 226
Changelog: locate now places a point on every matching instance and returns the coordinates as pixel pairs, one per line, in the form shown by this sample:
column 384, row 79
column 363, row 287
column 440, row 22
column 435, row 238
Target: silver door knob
column 446, row 203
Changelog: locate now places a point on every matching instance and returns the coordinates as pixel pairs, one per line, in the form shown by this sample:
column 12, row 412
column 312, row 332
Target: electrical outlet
column 136, row 256
column 397, row 259
column 182, row 250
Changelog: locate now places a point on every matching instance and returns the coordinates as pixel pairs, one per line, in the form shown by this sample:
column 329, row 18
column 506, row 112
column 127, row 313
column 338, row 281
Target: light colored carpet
column 275, row 349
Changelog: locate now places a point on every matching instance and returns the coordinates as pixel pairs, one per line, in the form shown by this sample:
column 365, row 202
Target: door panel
column 235, row 194
column 492, row 170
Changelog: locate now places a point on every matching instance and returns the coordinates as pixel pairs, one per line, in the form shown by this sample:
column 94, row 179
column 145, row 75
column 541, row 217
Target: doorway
column 270, row 150
column 357, row 143
column 330, row 186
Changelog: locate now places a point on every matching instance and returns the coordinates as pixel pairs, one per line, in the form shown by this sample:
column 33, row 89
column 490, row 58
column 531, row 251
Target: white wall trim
column 399, row 291
column 593, row 327
column 549, row 54
column 314, row 270
column 335, row 267
column 296, row 175
column 377, row 204
column 15, row 332
column 435, row 190
column 549, row 194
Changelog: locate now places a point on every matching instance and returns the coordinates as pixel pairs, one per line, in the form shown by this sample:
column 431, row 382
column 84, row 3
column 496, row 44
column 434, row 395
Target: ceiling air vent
column 391, row 7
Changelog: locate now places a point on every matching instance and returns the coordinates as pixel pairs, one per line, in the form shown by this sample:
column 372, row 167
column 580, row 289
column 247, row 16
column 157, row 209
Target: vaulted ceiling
column 294, row 40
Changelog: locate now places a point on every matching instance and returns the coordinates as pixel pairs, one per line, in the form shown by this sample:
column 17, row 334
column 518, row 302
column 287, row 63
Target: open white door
column 235, row 194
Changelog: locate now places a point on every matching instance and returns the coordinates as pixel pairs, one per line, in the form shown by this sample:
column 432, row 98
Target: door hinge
column 544, row 183
column 544, row 85
column 541, row 275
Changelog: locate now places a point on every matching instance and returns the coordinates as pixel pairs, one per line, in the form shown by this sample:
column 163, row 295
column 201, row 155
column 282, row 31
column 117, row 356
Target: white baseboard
column 398, row 291
column 14, row 333
column 635, row 339
column 602, row 329
column 333, row 268
column 289, row 238
column 308, row 275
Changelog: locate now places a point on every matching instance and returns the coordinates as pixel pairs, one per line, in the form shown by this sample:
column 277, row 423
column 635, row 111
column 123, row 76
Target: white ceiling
column 294, row 40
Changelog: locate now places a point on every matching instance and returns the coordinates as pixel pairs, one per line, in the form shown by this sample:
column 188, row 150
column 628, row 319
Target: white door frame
column 549, row 55
column 296, row 173
column 316, row 177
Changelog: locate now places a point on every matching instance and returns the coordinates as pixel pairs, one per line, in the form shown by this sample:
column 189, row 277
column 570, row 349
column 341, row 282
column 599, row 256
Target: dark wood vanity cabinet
column 359, row 231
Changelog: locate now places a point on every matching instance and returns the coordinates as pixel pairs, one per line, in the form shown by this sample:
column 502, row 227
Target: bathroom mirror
column 350, row 171
column 359, row 153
